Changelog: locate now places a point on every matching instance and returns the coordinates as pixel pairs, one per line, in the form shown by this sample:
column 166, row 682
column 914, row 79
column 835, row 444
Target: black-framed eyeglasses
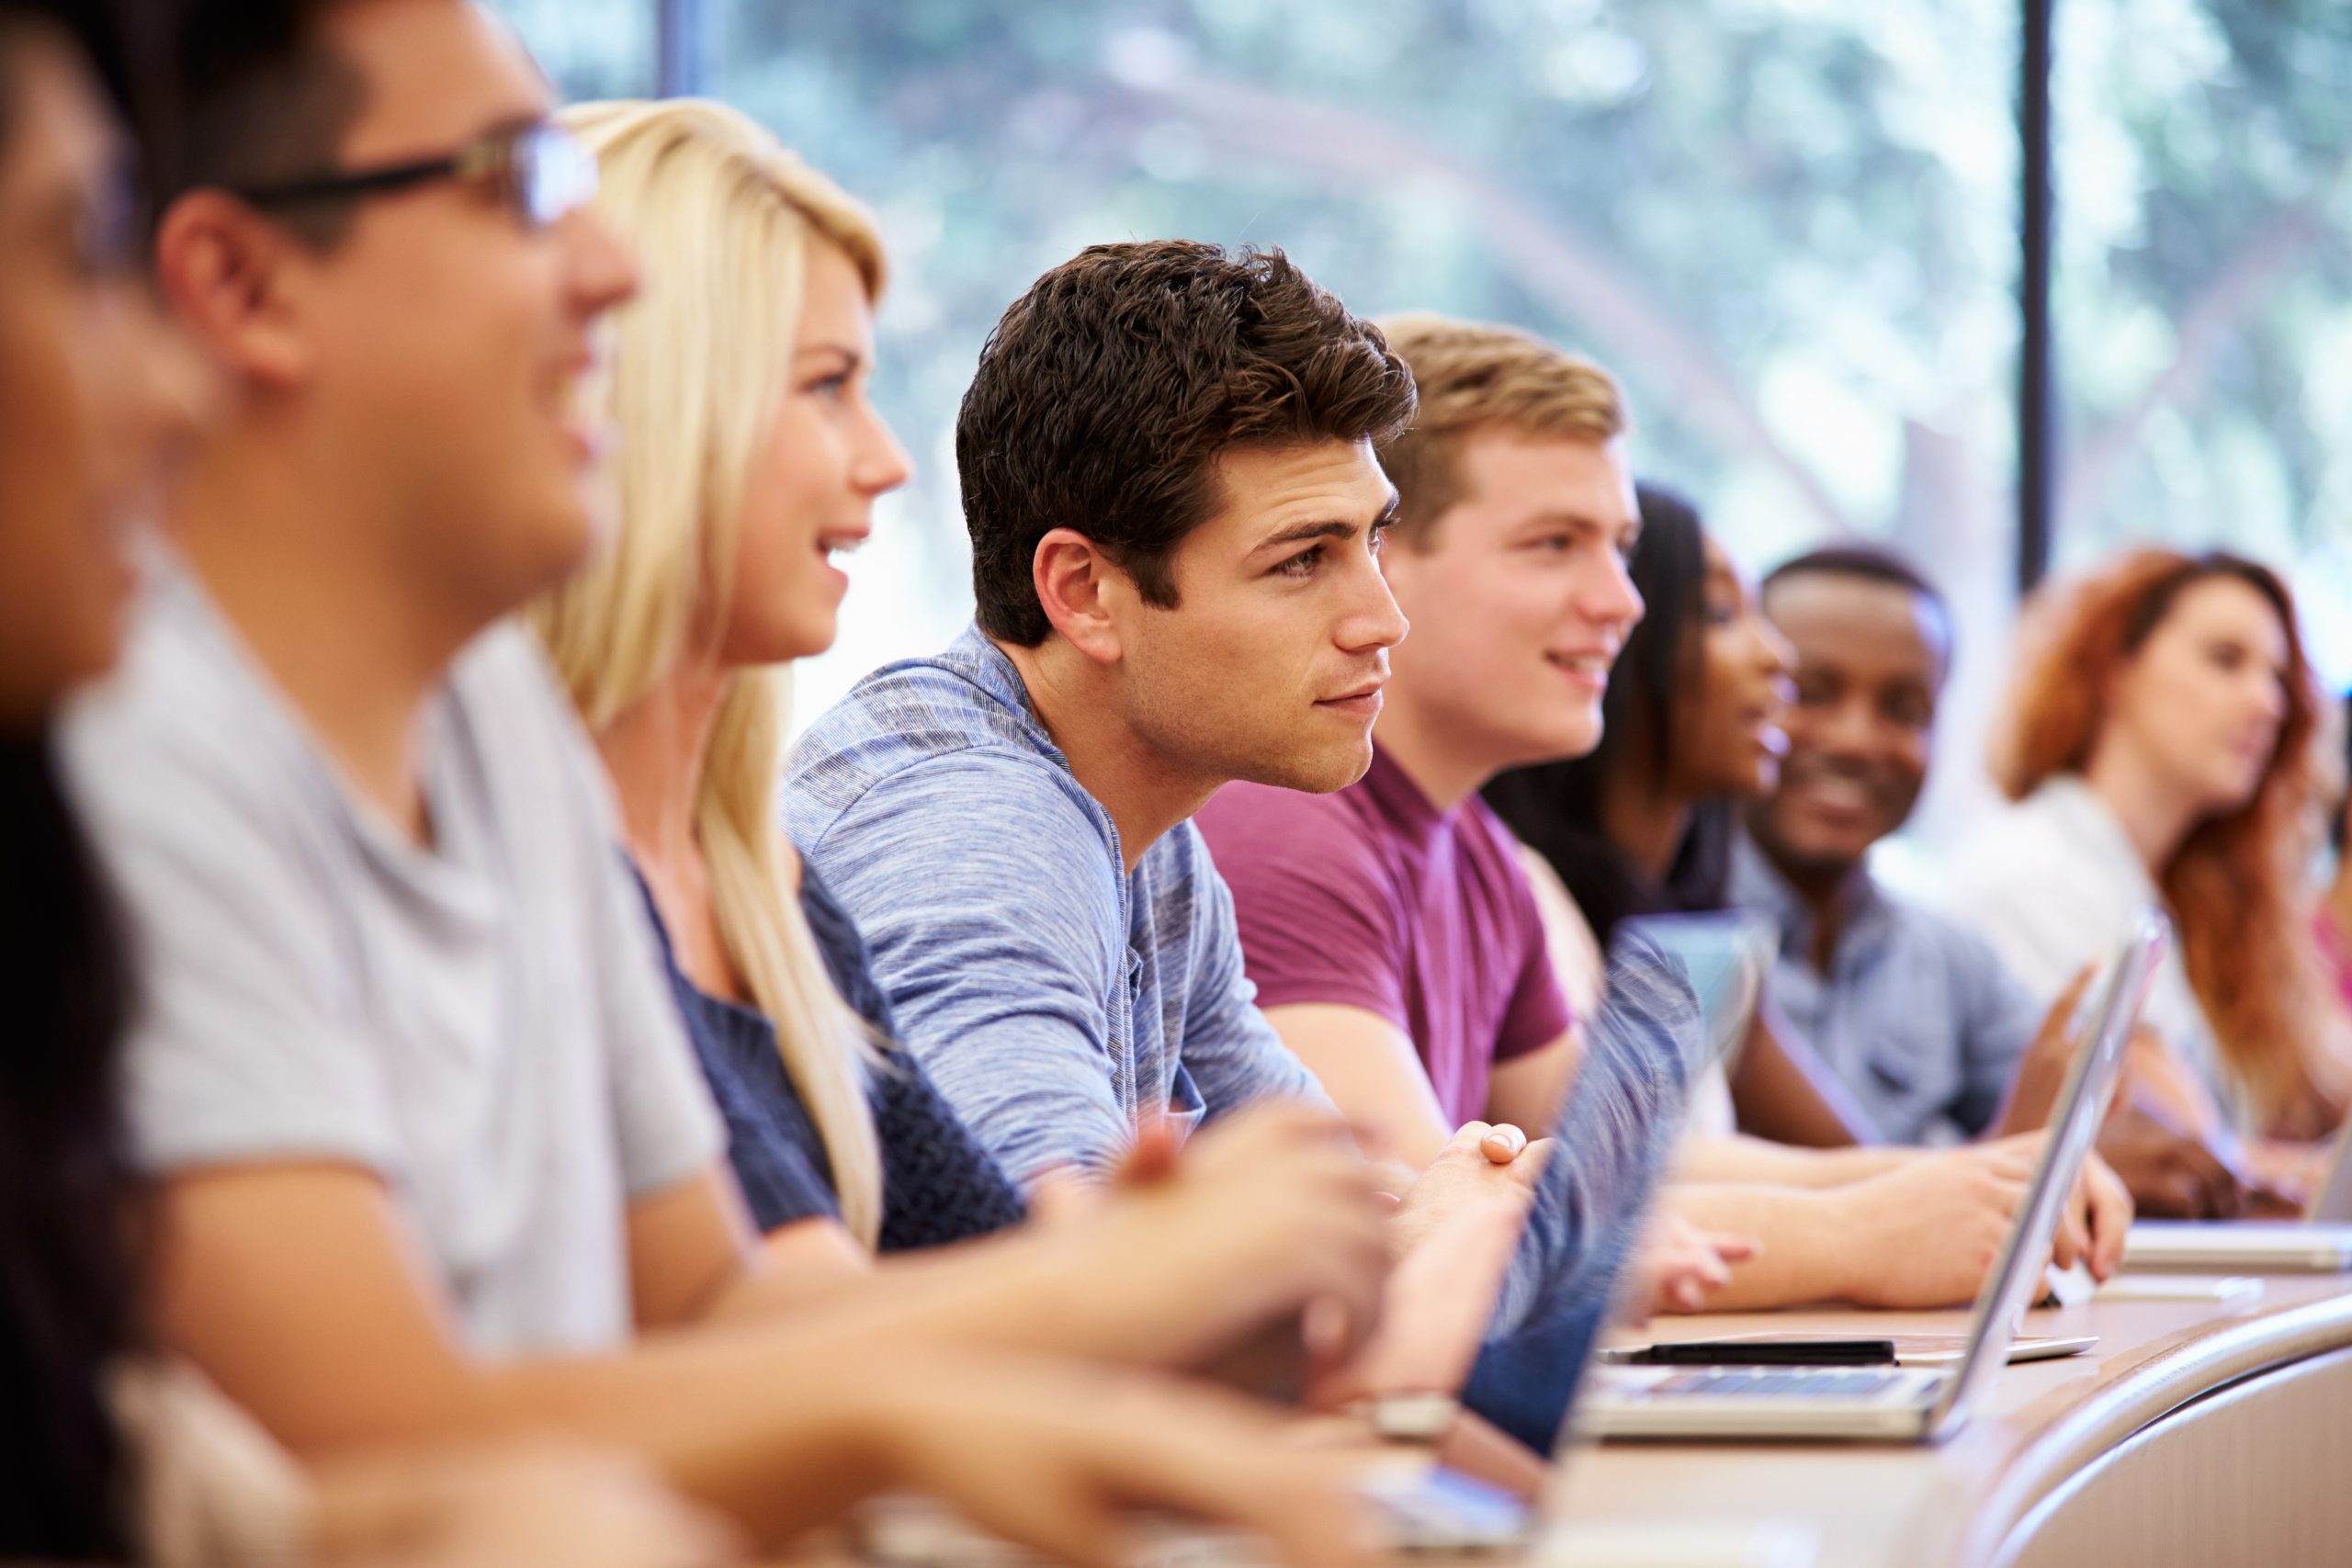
column 538, row 169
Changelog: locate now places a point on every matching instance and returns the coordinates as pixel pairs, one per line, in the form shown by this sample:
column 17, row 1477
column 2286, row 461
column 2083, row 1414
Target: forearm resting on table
column 1033, row 1289
column 1742, row 1159
column 301, row 1293
column 1802, row 1253
column 776, row 1426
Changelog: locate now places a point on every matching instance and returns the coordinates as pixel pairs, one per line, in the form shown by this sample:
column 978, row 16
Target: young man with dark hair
column 1176, row 513
column 1916, row 1017
column 430, row 1151
column 1168, row 474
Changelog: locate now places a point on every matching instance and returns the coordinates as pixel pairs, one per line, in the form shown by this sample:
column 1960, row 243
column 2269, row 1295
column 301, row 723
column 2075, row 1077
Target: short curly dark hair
column 1107, row 393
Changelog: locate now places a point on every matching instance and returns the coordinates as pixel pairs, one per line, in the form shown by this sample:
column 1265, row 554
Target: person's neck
column 1828, row 892
column 264, row 531
column 1646, row 819
column 1071, row 696
column 654, row 750
column 2156, row 816
column 1445, row 765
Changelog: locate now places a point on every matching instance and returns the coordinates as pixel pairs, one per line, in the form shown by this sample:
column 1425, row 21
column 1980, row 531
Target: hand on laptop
column 1439, row 1301
column 2098, row 1215
column 2047, row 1059
column 2286, row 1175
column 2170, row 1174
column 1924, row 1234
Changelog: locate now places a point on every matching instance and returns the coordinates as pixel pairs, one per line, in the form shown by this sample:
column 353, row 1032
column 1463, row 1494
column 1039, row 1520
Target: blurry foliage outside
column 2205, row 287
column 594, row 49
column 1788, row 225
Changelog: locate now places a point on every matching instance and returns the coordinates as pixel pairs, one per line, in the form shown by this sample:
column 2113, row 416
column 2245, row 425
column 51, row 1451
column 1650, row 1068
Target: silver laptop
column 2319, row 1242
column 1902, row 1404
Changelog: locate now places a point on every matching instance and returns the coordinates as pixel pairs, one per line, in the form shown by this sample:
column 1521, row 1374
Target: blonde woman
column 748, row 455
column 749, row 452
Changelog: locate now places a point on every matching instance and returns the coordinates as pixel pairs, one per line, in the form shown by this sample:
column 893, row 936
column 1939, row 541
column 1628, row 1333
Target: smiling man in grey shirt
column 1916, row 1016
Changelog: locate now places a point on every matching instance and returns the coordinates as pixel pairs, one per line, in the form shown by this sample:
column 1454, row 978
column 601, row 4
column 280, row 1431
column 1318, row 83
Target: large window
column 1789, row 228
column 1789, row 225
column 2205, row 288
column 594, row 49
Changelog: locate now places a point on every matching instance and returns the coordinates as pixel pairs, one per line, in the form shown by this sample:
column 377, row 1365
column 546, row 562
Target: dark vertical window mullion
column 2037, row 444
column 684, row 69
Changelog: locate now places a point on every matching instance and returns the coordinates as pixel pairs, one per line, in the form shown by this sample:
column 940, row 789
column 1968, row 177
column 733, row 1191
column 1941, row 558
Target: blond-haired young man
column 1395, row 938
column 1396, row 944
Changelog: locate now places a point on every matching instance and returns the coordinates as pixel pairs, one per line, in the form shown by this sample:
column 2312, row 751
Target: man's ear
column 1078, row 588
column 224, row 268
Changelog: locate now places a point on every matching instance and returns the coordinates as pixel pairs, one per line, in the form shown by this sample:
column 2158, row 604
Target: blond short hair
column 1473, row 375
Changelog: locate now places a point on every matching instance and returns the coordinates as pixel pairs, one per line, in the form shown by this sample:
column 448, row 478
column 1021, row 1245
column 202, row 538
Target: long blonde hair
column 723, row 217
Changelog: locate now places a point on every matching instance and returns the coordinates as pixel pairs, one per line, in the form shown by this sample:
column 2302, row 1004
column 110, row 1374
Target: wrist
column 1128, row 1287
column 1843, row 1168
column 878, row 1414
column 1844, row 1226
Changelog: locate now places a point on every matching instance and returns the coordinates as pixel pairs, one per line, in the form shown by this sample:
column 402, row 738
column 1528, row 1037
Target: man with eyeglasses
column 430, row 1152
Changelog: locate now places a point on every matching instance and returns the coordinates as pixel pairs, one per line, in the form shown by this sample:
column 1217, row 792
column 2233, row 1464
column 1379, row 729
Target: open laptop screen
column 2082, row 1106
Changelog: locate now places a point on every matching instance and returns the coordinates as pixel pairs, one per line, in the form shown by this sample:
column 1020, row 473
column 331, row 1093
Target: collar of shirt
column 1393, row 794
column 1757, row 883
column 977, row 658
column 2086, row 822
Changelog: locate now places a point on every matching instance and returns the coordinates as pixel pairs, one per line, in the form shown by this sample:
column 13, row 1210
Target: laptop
column 1900, row 1404
column 2319, row 1242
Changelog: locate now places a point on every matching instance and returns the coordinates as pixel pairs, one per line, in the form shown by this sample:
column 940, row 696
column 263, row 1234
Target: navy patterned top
column 938, row 1184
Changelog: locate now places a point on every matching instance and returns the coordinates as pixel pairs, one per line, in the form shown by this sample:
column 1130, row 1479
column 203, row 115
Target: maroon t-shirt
column 1373, row 897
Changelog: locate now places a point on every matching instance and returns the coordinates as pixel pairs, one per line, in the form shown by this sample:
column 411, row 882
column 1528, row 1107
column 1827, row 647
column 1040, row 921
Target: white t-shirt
column 483, row 1023
column 2052, row 883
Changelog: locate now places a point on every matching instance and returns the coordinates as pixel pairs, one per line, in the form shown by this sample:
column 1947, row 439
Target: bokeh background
column 1791, row 227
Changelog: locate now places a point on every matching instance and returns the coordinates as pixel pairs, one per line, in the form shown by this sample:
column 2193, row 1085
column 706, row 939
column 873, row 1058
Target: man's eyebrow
column 1299, row 533
column 1555, row 518
column 1328, row 528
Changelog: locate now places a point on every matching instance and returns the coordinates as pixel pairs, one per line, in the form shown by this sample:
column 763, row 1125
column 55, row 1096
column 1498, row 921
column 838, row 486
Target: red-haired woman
column 2159, row 746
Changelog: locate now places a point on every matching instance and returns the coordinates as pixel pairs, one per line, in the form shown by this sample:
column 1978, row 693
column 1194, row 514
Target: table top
column 1953, row 1502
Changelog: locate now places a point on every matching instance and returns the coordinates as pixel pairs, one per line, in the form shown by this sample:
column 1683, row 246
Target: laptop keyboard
column 1741, row 1383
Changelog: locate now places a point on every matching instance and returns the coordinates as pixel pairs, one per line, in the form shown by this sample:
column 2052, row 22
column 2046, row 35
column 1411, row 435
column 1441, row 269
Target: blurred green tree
column 1789, row 225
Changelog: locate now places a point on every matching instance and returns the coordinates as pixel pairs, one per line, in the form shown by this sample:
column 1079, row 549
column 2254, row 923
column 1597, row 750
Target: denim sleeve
column 1234, row 1054
column 997, row 944
column 1616, row 1132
